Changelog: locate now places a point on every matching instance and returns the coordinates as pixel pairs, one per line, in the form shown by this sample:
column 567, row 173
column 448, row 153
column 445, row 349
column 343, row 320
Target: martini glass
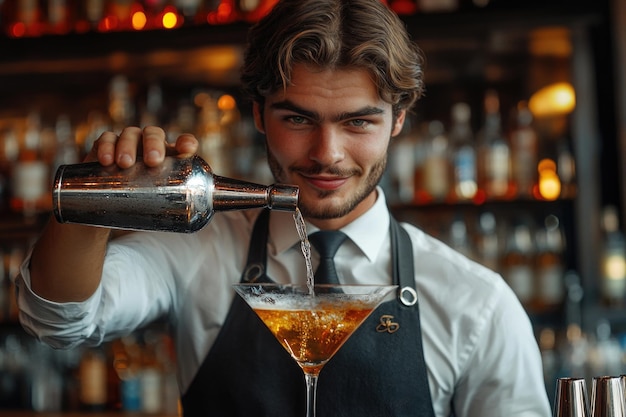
column 312, row 322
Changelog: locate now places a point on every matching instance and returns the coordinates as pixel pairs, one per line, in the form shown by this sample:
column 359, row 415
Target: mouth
column 325, row 182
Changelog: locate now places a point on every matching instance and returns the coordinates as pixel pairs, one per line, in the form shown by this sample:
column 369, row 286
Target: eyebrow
column 289, row 105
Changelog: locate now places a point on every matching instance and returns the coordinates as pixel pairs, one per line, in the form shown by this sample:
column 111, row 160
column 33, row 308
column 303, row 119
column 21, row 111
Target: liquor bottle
column 612, row 259
column 518, row 260
column 488, row 241
column 549, row 261
column 153, row 109
column 121, row 106
column 401, row 167
column 89, row 15
column 459, row 237
column 436, row 169
column 566, row 168
column 93, row 380
column 9, row 153
column 494, row 151
column 59, row 17
column 29, row 16
column 213, row 143
column 66, row 151
column 180, row 195
column 463, row 158
column 254, row 10
column 524, row 151
column 189, row 10
column 31, row 175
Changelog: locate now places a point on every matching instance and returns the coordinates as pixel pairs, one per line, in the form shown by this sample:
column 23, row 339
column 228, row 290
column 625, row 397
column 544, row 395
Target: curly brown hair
column 330, row 34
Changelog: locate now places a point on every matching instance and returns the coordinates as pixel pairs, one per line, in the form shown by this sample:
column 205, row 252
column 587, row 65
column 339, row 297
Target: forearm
column 67, row 260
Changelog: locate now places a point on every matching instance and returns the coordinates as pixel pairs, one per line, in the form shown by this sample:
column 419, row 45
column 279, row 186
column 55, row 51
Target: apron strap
column 257, row 251
column 402, row 270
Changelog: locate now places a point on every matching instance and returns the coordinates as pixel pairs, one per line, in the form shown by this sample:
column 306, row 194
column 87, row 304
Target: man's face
column 328, row 133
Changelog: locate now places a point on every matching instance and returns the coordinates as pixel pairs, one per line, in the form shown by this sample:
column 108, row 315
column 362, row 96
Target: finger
column 103, row 149
column 186, row 144
column 154, row 143
column 126, row 147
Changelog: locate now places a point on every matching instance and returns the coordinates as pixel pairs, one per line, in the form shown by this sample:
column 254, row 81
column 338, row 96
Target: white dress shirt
column 479, row 347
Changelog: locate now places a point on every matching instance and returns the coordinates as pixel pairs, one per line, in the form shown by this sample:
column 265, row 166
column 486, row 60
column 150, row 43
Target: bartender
column 331, row 82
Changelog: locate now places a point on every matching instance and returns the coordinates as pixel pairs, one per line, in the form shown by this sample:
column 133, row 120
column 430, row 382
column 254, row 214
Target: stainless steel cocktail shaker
column 571, row 398
column 180, row 195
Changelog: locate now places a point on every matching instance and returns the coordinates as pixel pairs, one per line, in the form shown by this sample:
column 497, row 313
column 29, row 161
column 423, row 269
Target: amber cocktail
column 312, row 323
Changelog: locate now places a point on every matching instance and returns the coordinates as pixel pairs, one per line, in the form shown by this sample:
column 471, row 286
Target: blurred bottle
column 213, row 144
column 66, row 151
column 59, row 17
column 9, row 153
column 254, row 10
column 463, row 154
column 121, row 106
column 89, row 14
column 518, row 260
column 550, row 359
column 153, row 110
column 494, row 152
column 436, row 169
column 27, row 19
column 97, row 123
column 566, row 169
column 612, row 259
column 488, row 241
column 401, row 167
column 31, row 185
column 605, row 353
column 190, row 10
column 420, row 195
column 46, row 384
column 93, row 380
column 459, row 237
column 524, row 151
column 184, row 121
column 574, row 353
column 549, row 261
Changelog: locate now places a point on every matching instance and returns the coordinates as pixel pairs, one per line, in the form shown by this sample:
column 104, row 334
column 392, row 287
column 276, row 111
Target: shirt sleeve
column 136, row 288
column 504, row 376
column 61, row 325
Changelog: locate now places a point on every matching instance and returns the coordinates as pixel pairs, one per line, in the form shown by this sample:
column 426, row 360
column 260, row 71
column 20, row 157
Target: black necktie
column 326, row 242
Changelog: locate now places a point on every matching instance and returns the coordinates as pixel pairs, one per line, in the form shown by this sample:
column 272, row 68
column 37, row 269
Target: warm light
column 169, row 20
column 223, row 14
column 546, row 165
column 226, row 102
column 200, row 98
column 18, row 30
column 108, row 23
column 139, row 20
column 553, row 100
column 549, row 182
column 615, row 267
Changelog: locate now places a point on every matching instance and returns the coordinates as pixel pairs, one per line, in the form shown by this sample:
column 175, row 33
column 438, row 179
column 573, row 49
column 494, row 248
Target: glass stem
column 311, row 393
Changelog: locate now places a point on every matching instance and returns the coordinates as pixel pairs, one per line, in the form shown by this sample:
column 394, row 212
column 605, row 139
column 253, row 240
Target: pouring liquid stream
column 306, row 249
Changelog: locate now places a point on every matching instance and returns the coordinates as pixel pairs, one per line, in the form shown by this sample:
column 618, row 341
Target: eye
column 361, row 123
column 297, row 120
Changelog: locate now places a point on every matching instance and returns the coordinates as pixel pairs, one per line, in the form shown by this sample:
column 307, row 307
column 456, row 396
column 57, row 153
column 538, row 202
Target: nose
column 327, row 147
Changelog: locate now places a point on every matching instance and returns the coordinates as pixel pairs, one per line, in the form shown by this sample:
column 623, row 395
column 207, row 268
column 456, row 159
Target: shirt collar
column 364, row 232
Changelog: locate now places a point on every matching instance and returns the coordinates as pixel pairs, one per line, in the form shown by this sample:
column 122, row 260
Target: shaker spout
column 283, row 197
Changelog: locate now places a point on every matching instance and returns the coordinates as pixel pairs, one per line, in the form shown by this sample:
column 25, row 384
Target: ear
column 258, row 117
column 399, row 122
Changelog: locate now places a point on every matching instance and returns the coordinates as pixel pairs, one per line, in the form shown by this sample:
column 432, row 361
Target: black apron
column 380, row 371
